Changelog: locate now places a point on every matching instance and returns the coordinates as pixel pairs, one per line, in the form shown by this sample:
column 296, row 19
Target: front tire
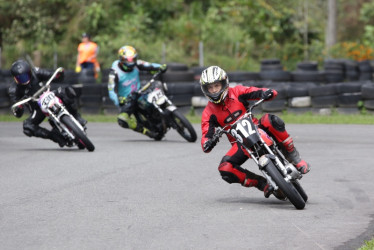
column 78, row 133
column 300, row 189
column 287, row 188
column 183, row 126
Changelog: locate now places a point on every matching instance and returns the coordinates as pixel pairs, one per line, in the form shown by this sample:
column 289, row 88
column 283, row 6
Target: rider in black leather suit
column 26, row 83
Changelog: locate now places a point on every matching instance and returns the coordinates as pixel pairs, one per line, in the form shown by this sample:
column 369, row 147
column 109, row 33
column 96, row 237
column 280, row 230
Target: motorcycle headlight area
column 263, row 161
column 156, row 96
column 55, row 108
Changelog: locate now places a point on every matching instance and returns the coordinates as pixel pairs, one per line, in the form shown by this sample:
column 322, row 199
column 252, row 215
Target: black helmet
column 21, row 71
column 210, row 76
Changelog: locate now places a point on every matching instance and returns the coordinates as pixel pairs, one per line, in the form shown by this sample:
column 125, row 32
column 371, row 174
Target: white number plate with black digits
column 156, row 96
column 47, row 100
column 245, row 132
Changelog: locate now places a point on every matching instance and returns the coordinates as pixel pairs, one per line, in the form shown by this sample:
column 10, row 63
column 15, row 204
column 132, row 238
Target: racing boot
column 80, row 119
column 251, row 179
column 293, row 156
column 149, row 133
column 268, row 190
column 260, row 183
column 264, row 186
column 55, row 136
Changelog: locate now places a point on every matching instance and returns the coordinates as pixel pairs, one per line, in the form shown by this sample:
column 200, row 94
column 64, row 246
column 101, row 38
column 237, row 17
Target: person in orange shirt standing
column 87, row 55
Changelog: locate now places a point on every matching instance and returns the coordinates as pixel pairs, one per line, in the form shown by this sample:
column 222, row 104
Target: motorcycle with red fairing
column 281, row 175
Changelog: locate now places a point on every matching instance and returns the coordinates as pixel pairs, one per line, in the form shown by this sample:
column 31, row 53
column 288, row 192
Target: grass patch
column 369, row 245
column 333, row 118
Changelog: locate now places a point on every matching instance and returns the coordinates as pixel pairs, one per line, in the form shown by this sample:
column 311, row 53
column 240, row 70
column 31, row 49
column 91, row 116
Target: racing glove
column 18, row 111
column 60, row 76
column 210, row 144
column 163, row 68
column 267, row 94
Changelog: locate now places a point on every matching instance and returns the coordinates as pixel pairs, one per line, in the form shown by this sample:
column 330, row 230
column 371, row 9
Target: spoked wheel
column 287, row 188
column 183, row 126
column 83, row 140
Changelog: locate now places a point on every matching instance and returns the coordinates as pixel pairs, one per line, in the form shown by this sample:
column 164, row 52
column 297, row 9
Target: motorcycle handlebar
column 220, row 131
column 149, row 83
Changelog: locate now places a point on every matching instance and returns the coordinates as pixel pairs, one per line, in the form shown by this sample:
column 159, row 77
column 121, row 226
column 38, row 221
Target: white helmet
column 214, row 74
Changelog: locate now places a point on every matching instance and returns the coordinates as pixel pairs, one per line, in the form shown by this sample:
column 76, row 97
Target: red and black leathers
column 220, row 115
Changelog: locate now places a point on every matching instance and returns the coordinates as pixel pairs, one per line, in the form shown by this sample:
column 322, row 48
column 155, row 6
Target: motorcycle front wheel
column 287, row 188
column 78, row 133
column 183, row 126
column 300, row 189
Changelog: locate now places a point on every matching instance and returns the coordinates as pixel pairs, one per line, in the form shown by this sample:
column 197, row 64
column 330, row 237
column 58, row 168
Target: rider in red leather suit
column 224, row 107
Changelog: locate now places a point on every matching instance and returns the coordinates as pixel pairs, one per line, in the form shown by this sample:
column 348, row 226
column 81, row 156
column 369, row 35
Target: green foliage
column 367, row 16
column 369, row 245
column 237, row 34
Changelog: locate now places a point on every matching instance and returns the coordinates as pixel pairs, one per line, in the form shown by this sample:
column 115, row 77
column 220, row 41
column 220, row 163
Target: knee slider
column 122, row 123
column 28, row 132
column 226, row 174
column 28, row 128
column 274, row 121
column 127, row 121
column 277, row 123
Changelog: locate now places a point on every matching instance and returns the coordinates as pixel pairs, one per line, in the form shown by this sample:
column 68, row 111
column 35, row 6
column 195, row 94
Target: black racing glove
column 133, row 97
column 210, row 144
column 60, row 76
column 267, row 94
column 18, row 111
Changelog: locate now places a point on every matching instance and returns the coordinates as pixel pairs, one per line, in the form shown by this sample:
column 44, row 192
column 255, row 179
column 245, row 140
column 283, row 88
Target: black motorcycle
column 281, row 175
column 158, row 114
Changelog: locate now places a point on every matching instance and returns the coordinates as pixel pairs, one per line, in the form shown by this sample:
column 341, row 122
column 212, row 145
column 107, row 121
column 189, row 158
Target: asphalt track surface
column 136, row 193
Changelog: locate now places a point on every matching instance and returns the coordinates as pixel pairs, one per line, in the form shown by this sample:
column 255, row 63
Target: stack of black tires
column 180, row 82
column 344, row 85
column 5, row 81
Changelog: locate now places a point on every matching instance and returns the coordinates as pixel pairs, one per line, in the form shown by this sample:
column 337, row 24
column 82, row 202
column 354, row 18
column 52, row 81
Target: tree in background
column 237, row 34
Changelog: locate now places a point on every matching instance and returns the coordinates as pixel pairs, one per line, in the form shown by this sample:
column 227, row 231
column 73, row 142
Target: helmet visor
column 214, row 90
column 128, row 61
column 23, row 79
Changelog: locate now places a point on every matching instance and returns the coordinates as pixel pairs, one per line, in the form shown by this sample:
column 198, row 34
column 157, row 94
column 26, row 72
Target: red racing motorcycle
column 281, row 175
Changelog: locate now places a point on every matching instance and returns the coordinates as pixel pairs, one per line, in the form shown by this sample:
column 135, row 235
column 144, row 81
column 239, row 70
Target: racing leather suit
column 31, row 124
column 122, row 88
column 227, row 112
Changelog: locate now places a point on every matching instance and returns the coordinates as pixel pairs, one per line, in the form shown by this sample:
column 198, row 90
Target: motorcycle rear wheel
column 287, row 188
column 78, row 133
column 183, row 126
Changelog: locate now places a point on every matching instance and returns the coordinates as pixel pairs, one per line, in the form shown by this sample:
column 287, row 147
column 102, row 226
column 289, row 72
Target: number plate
column 156, row 96
column 245, row 132
column 47, row 100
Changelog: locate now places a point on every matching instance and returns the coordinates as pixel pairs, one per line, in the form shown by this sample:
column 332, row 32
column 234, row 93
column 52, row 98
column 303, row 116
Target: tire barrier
column 271, row 69
column 367, row 91
column 365, row 70
column 240, row 76
column 197, row 70
column 351, row 70
column 178, row 76
column 341, row 84
column 181, row 93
